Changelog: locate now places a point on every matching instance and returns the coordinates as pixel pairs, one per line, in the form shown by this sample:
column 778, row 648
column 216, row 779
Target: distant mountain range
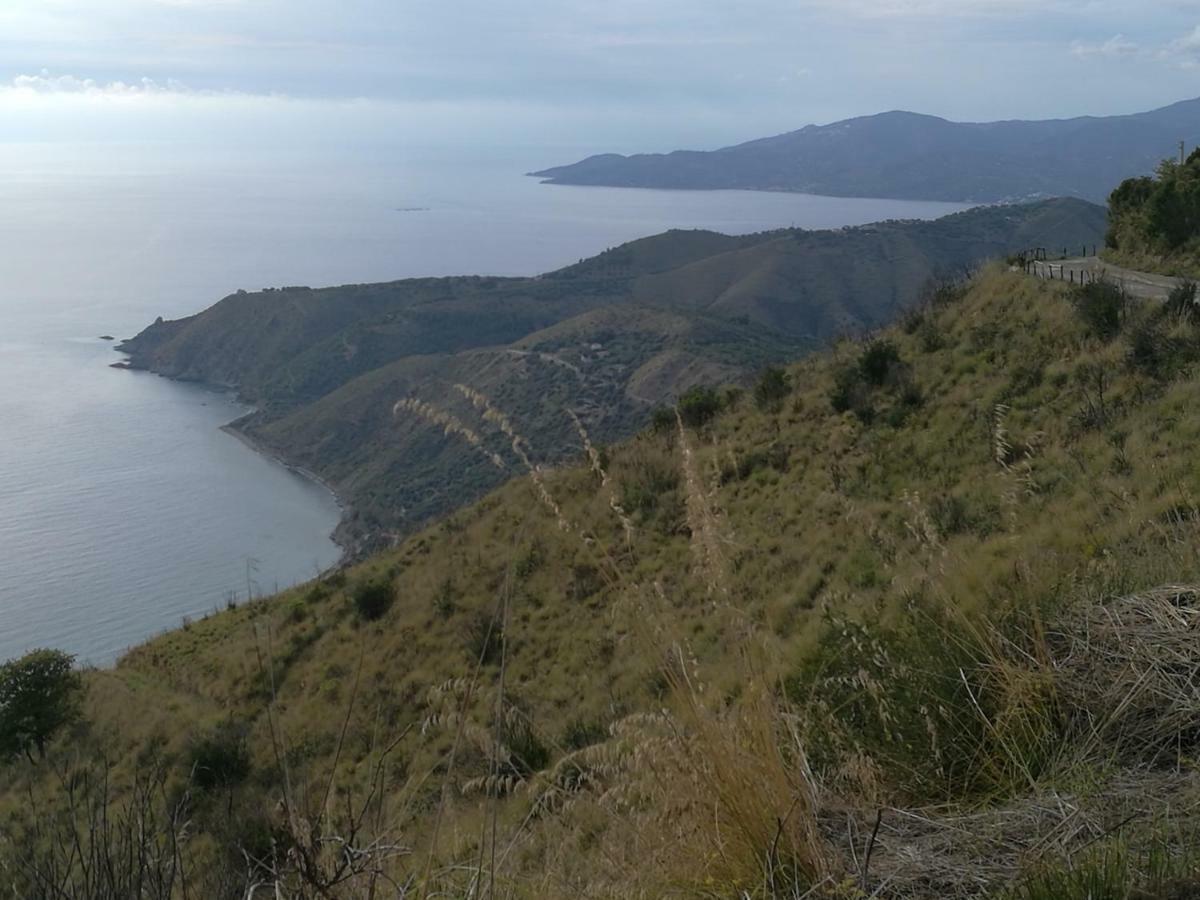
column 904, row 155
column 373, row 387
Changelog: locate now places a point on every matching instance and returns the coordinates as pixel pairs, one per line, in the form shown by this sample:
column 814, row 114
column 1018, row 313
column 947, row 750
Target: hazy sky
column 600, row 74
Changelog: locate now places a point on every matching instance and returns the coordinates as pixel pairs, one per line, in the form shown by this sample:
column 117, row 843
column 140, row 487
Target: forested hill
column 905, row 155
column 607, row 339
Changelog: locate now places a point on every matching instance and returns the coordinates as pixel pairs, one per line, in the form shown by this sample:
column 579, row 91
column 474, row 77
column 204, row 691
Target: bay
column 123, row 506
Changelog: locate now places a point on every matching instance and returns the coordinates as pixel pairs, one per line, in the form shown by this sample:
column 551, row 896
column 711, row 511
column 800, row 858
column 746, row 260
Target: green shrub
column 1148, row 352
column 879, row 362
column 878, row 367
column 445, row 601
column 776, row 456
column 930, row 336
column 1025, row 378
column 220, row 758
column 1162, row 352
column 1124, row 203
column 1157, row 216
column 1103, row 306
column 645, row 473
column 947, row 289
column 581, row 733
column 484, row 638
column 662, row 419
column 851, row 394
column 910, row 395
column 528, row 754
column 373, row 598
column 771, row 389
column 915, row 697
column 914, row 319
column 317, row 593
column 952, row 515
column 699, row 406
column 1181, row 301
column 1116, row 872
column 585, row 582
column 530, row 560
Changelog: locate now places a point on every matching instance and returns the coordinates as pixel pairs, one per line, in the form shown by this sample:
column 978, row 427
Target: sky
column 603, row 75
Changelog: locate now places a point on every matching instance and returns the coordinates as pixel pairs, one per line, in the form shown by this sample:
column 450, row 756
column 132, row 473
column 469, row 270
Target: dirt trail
column 1137, row 284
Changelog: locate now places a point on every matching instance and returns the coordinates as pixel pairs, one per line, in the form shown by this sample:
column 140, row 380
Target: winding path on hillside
column 1092, row 268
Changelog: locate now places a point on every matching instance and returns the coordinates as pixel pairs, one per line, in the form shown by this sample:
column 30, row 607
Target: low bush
column 1116, row 872
column 1182, row 300
column 662, row 419
column 878, row 367
column 952, row 515
column 879, row 361
column 851, row 394
column 645, row 473
column 1103, row 306
column 220, row 758
column 581, row 733
column 585, row 582
column 947, row 289
column 484, row 638
column 530, row 560
column 373, row 598
column 929, row 705
column 699, row 406
column 776, row 456
column 527, row 753
column 771, row 388
column 445, row 601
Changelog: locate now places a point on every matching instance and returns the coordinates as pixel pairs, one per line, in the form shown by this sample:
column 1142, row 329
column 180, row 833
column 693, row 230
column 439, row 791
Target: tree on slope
column 39, row 694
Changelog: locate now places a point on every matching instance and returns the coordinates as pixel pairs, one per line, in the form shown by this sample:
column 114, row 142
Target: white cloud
column 942, row 9
column 1116, row 46
column 45, row 83
column 1184, row 51
column 49, row 92
column 198, row 3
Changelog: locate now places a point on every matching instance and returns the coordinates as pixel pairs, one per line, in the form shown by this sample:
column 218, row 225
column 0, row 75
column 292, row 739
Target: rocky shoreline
column 351, row 544
column 342, row 534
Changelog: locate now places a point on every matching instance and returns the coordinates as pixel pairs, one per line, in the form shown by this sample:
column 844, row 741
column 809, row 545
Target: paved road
column 1136, row 284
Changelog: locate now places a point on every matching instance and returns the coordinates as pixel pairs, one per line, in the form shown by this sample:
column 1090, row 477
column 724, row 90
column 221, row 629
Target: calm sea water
column 123, row 507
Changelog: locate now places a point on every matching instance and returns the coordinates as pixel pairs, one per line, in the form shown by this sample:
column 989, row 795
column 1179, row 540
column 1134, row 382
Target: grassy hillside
column 919, row 157
column 609, row 339
column 914, row 621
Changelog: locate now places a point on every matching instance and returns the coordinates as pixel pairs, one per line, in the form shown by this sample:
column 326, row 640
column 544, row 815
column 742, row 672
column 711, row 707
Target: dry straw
column 449, row 423
column 520, row 446
column 605, row 482
column 702, row 519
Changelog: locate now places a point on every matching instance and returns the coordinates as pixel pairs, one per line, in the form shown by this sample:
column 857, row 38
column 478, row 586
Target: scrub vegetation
column 363, row 384
column 1154, row 221
column 913, row 617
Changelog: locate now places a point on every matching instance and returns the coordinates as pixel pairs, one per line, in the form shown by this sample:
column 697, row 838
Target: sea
column 124, row 508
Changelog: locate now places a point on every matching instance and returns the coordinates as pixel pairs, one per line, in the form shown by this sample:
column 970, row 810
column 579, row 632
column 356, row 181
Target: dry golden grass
column 549, row 711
